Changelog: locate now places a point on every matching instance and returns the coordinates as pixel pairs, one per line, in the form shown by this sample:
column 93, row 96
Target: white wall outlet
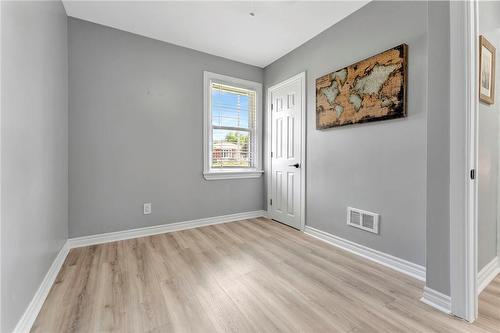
column 147, row 208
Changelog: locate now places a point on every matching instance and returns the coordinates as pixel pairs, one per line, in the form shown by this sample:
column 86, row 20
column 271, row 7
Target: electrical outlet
column 147, row 208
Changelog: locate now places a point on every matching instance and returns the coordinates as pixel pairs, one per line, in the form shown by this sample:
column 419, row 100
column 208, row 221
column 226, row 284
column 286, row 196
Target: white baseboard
column 29, row 316
column 160, row 229
column 437, row 300
column 487, row 274
column 382, row 258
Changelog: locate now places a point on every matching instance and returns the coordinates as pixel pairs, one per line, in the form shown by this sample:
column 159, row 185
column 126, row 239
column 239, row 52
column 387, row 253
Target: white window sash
column 255, row 139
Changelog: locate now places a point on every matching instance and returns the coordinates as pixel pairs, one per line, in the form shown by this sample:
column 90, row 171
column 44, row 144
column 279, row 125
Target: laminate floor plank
column 253, row 275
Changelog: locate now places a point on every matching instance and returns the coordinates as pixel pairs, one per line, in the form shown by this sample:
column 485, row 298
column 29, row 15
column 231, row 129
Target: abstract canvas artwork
column 370, row 90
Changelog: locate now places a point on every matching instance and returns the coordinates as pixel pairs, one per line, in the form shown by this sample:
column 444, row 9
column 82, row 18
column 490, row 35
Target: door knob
column 297, row 165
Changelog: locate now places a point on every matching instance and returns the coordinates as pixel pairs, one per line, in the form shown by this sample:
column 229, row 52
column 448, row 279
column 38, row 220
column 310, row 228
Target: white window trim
column 208, row 172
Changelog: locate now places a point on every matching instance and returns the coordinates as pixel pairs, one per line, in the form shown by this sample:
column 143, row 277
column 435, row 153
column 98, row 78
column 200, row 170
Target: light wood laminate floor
column 489, row 307
column 248, row 276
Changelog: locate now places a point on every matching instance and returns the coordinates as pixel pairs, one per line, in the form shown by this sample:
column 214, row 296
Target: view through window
column 233, row 111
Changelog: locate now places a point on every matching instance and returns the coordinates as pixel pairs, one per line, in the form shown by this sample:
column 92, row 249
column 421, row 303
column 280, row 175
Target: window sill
column 233, row 174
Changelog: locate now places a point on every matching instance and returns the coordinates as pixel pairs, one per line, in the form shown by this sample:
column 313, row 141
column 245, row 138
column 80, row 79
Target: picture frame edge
column 483, row 41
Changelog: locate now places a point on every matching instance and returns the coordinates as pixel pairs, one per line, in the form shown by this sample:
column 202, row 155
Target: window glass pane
column 231, row 149
column 232, row 106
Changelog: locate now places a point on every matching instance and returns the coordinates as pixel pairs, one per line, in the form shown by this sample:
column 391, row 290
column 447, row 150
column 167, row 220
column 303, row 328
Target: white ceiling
column 222, row 28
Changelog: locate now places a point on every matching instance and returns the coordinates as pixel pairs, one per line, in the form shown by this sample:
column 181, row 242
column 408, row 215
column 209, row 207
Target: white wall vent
column 363, row 219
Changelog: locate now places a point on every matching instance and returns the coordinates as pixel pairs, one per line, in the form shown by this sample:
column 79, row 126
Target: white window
column 232, row 127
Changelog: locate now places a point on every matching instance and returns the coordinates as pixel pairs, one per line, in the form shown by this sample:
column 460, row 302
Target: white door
column 285, row 192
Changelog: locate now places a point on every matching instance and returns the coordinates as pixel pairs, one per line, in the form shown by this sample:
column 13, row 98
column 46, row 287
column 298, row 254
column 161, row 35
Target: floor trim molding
column 487, row 274
column 382, row 258
column 160, row 229
column 28, row 318
column 437, row 300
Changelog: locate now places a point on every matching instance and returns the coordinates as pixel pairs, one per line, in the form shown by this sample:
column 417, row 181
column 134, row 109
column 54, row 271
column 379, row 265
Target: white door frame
column 463, row 158
column 268, row 139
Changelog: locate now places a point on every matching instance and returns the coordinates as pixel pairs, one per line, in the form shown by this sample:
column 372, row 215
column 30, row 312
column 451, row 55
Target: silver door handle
column 297, row 165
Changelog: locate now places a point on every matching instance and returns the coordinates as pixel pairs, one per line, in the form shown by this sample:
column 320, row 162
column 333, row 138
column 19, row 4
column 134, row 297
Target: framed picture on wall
column 370, row 90
column 487, row 54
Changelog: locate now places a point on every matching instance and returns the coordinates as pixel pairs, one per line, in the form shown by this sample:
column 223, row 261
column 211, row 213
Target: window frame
column 210, row 173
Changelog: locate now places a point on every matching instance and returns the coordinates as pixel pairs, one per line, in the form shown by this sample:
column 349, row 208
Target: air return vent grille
column 354, row 218
column 362, row 219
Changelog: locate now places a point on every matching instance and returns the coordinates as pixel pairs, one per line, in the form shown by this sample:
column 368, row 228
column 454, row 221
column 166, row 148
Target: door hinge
column 472, row 174
column 271, row 202
column 271, row 154
column 272, row 106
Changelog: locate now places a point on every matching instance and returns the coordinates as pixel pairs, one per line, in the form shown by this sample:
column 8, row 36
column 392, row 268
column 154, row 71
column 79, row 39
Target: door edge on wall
column 268, row 140
column 463, row 164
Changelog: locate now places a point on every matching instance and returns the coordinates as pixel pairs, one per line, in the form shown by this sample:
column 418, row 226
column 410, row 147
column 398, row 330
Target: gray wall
column 135, row 129
column 438, row 147
column 34, row 149
column 489, row 24
column 380, row 167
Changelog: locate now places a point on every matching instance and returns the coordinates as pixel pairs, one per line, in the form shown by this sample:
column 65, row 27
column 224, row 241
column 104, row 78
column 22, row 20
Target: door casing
column 463, row 151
